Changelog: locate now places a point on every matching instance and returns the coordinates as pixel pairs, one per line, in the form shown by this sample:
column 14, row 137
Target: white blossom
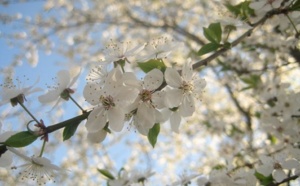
column 6, row 155
column 66, row 80
column 146, row 114
column 121, row 51
column 10, row 91
column 263, row 6
column 185, row 90
column 111, row 102
column 276, row 165
column 36, row 168
column 159, row 48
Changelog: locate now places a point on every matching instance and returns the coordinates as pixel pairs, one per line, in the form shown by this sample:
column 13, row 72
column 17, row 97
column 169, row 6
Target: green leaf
column 272, row 138
column 210, row 35
column 70, row 130
column 152, row 64
column 21, row 139
column 213, row 33
column 264, row 180
column 217, row 30
column 207, row 48
column 106, row 173
column 153, row 133
column 241, row 10
column 252, row 81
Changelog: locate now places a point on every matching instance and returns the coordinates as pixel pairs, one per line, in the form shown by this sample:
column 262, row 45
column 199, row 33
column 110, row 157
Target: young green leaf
column 217, row 30
column 241, row 10
column 252, row 81
column 209, row 47
column 153, row 134
column 70, row 130
column 106, row 173
column 152, row 64
column 21, row 139
column 264, row 180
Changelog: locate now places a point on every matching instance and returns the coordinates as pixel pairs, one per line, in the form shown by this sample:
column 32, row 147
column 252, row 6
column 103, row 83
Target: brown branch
column 284, row 181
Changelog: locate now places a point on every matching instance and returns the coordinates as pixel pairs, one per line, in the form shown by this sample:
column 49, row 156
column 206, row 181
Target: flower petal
column 187, row 108
column 187, row 71
column 173, row 98
column 146, row 115
column 173, row 78
column 153, row 79
column 91, row 93
column 279, row 175
column 116, row 118
column 175, row 120
column 96, row 120
column 6, row 159
column 97, row 137
column 63, row 78
column 50, row 96
column 74, row 72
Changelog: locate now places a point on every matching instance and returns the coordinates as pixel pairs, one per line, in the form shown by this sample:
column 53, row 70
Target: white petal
column 45, row 162
column 265, row 170
column 279, row 175
column 146, row 115
column 97, row 137
column 116, row 117
column 91, row 93
column 50, row 96
column 175, row 120
column 173, row 98
column 290, row 164
column 187, row 108
column 74, row 72
column 16, row 152
column 153, row 79
column 187, row 71
column 126, row 96
column 161, row 116
column 63, row 78
column 173, row 78
column 135, row 50
column 6, row 159
column 158, row 99
column 96, row 120
column 130, row 80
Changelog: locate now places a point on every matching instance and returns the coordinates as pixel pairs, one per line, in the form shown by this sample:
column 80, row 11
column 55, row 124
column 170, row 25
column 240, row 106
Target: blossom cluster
column 119, row 97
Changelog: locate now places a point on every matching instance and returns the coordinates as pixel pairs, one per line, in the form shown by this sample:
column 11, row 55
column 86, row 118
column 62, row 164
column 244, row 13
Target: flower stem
column 77, row 104
column 292, row 23
column 43, row 148
column 28, row 111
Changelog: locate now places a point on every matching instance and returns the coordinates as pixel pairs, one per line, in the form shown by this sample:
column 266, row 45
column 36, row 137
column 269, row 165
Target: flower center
column 107, row 102
column 187, row 87
column 18, row 99
column 277, row 166
column 145, row 95
column 66, row 94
